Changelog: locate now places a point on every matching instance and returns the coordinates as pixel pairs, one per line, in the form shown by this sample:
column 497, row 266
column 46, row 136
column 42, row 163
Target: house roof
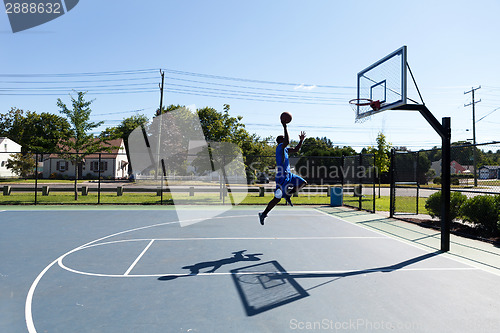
column 3, row 138
column 116, row 144
column 490, row 167
column 457, row 166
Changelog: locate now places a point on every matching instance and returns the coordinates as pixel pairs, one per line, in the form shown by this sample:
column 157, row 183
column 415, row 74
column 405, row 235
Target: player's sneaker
column 262, row 217
column 290, row 190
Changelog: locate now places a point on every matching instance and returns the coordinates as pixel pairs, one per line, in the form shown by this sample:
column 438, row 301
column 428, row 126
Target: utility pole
column 161, row 91
column 158, row 113
column 473, row 103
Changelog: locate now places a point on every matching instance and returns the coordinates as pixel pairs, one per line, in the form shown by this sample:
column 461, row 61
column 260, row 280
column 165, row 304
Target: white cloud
column 304, row 87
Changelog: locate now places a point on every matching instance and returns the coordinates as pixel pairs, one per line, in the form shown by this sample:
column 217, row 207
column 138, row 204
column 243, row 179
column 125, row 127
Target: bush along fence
column 475, row 185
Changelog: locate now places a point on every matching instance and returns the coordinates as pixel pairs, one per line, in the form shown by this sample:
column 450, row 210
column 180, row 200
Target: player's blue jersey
column 282, row 164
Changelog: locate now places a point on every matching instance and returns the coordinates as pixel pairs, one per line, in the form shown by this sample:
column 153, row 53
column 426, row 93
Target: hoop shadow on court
column 268, row 285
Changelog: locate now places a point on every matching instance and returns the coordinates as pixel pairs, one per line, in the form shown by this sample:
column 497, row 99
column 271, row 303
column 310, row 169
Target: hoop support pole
column 444, row 131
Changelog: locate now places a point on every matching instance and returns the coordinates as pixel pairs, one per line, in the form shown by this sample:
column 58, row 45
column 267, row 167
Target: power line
column 125, row 72
column 262, row 93
column 121, row 112
column 238, row 96
column 256, row 88
column 81, row 81
column 494, row 110
column 218, row 77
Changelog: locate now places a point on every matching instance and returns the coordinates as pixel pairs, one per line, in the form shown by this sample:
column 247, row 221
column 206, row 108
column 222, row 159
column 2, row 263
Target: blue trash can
column 336, row 196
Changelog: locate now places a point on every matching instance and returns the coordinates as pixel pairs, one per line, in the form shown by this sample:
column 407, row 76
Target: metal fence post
column 342, row 161
column 374, row 180
column 417, row 177
column 392, row 188
column 36, row 176
column 99, row 181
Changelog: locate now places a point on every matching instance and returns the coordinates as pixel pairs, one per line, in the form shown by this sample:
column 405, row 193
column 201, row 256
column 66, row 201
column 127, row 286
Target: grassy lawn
column 40, row 181
column 92, row 198
column 381, row 204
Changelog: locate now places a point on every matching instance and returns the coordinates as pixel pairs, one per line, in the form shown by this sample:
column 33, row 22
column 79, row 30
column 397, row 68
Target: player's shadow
column 195, row 269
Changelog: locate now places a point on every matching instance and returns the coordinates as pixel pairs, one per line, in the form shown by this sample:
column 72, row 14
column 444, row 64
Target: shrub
column 55, row 175
column 483, row 211
column 453, row 181
column 497, row 205
column 433, row 204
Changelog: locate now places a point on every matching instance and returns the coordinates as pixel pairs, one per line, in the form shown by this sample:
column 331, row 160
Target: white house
column 455, row 168
column 114, row 164
column 489, row 172
column 7, row 148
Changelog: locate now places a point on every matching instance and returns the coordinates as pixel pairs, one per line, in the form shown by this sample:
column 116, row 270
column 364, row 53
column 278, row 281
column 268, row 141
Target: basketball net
column 364, row 108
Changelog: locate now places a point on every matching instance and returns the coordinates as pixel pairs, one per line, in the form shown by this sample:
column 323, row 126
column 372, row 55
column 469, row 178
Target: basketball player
column 287, row 183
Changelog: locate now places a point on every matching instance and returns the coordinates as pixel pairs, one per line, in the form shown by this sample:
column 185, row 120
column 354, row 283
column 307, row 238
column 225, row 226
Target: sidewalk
column 479, row 254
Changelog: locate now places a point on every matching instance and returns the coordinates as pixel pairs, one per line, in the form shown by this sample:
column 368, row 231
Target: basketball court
column 142, row 270
column 216, row 269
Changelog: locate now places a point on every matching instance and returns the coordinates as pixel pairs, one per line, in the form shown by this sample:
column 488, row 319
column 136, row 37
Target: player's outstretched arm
column 297, row 147
column 286, row 141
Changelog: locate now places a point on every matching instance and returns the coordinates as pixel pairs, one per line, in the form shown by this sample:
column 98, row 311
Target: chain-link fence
column 416, row 176
column 109, row 178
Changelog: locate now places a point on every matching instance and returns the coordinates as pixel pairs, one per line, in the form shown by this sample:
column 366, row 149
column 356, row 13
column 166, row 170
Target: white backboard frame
column 392, row 93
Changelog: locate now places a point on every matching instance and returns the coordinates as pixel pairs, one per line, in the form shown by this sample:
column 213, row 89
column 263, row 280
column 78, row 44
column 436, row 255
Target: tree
column 321, row 161
column 221, row 127
column 21, row 164
column 382, row 159
column 123, row 131
column 324, row 147
column 7, row 121
column 81, row 143
column 33, row 131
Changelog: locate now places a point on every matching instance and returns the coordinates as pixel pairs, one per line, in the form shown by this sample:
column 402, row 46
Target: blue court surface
column 307, row 269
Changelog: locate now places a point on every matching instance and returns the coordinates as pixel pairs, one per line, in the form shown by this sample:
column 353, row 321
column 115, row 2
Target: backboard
column 384, row 81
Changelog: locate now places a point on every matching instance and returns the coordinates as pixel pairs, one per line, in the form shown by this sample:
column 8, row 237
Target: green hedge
column 482, row 210
column 433, row 204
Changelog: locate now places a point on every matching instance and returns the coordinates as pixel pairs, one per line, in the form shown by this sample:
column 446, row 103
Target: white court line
column 290, row 273
column 127, row 273
column 270, row 238
column 448, row 255
column 139, row 257
column 229, row 238
column 63, row 266
column 367, row 228
column 28, row 313
column 29, row 298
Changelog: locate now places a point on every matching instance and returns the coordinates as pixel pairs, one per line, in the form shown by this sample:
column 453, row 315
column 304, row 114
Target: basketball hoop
column 362, row 105
column 363, row 108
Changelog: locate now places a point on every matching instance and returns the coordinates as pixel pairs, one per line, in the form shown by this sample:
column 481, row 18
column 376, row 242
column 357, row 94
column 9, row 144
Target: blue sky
column 452, row 47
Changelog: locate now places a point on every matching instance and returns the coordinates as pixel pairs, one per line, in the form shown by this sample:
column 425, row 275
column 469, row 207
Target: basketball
column 286, row 117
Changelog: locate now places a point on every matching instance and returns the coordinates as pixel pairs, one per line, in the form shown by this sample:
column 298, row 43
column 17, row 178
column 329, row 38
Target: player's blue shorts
column 290, row 180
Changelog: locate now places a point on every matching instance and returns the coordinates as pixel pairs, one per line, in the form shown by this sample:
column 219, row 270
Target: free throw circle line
column 289, row 273
column 139, row 257
column 63, row 266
